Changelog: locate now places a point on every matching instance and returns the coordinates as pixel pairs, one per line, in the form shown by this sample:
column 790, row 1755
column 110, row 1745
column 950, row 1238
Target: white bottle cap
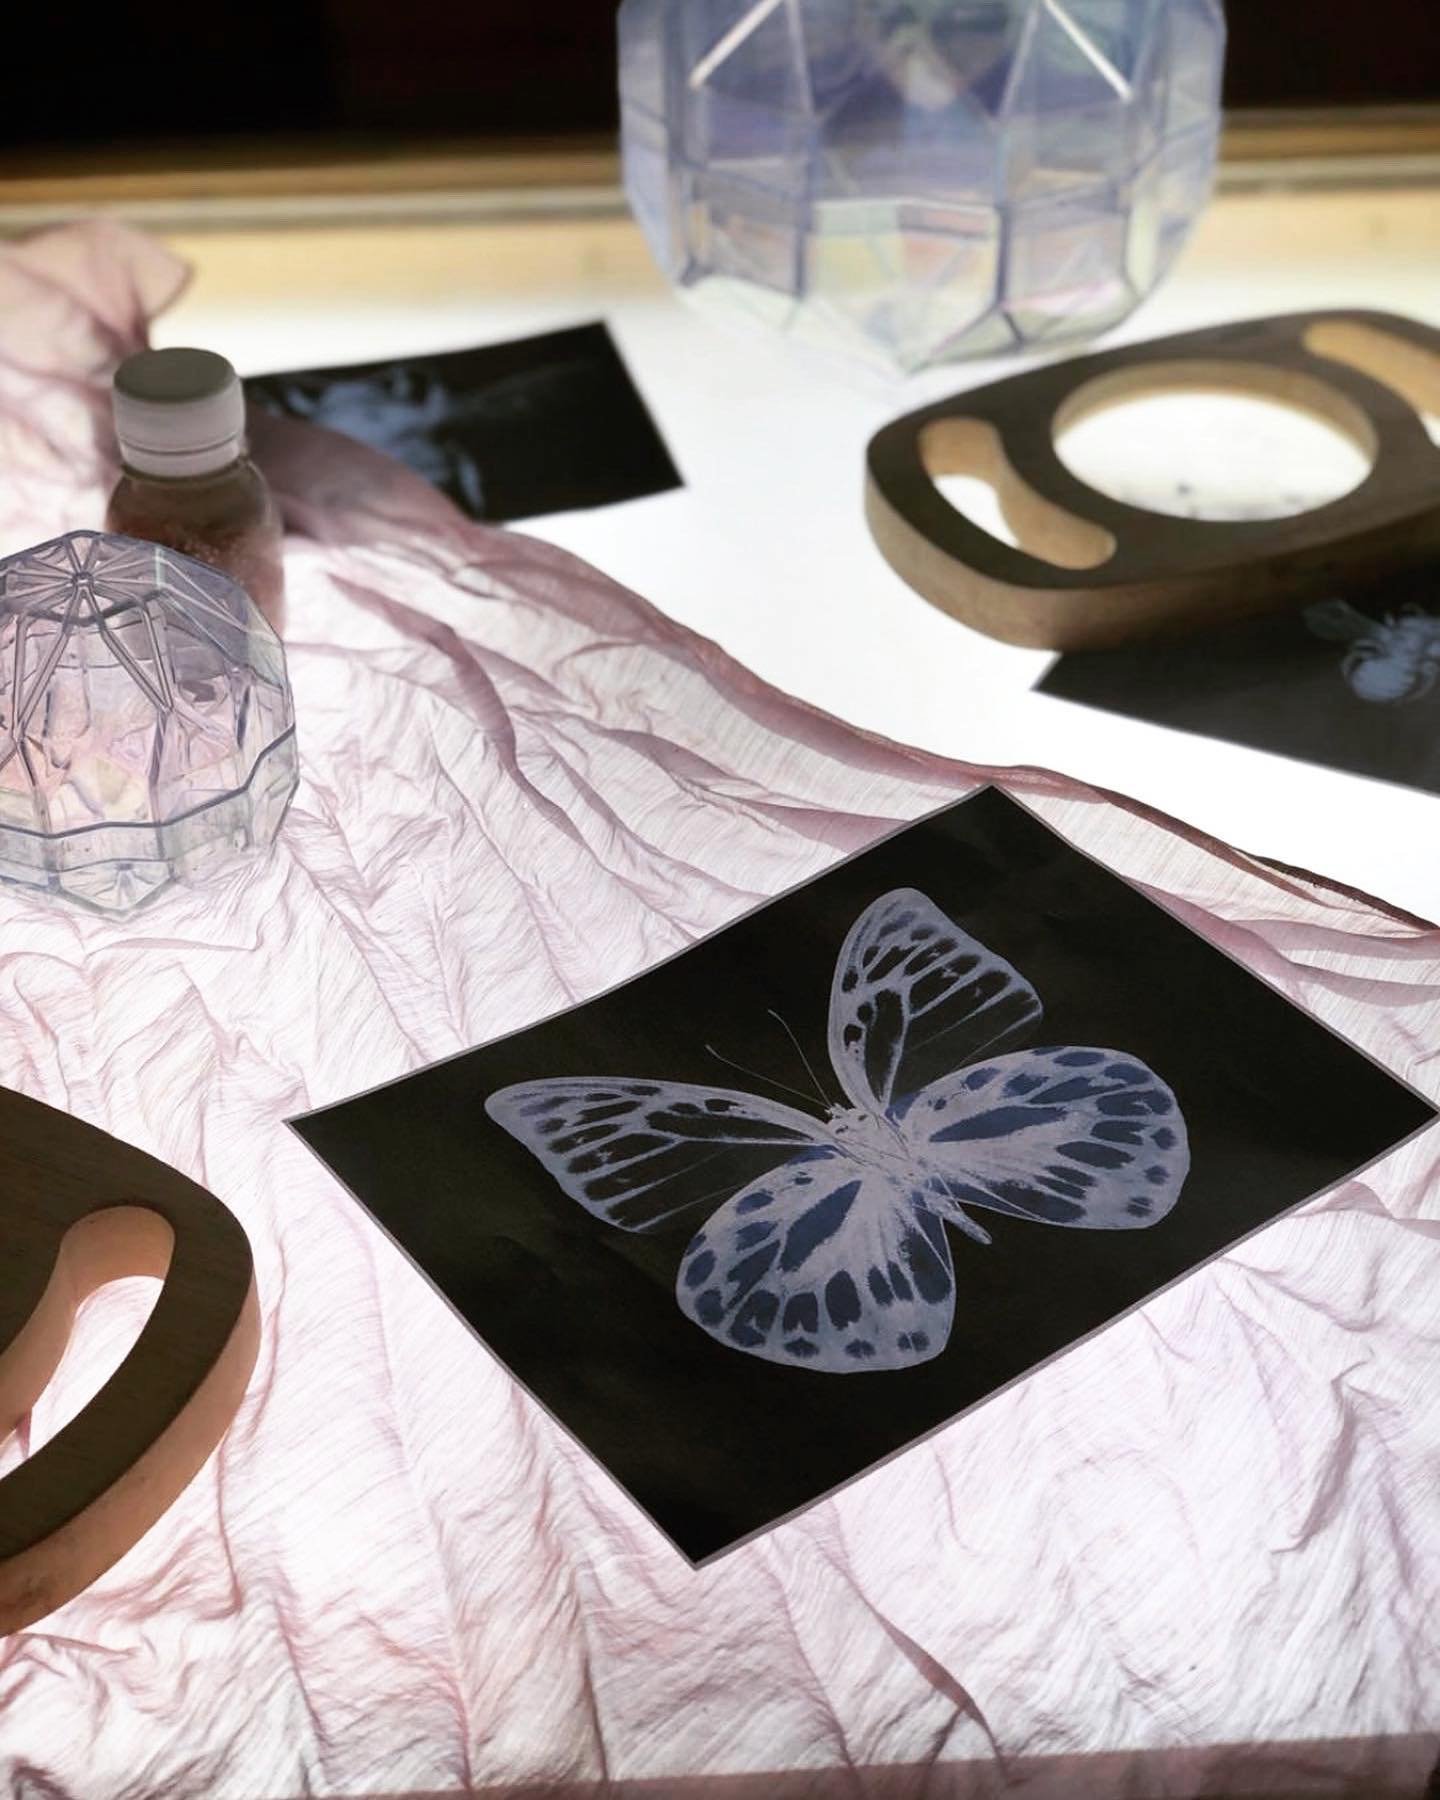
column 178, row 412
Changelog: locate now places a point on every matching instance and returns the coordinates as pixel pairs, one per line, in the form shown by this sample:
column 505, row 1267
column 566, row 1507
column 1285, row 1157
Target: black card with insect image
column 1349, row 683
column 757, row 1219
column 542, row 424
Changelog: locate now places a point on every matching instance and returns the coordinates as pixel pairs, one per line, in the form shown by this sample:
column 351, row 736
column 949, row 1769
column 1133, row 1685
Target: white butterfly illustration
column 1389, row 660
column 836, row 1257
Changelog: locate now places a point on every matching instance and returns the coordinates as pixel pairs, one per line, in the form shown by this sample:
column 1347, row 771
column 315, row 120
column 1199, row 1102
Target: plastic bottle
column 187, row 480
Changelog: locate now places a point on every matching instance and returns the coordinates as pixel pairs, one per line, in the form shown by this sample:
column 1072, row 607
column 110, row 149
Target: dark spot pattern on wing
column 816, row 1225
column 612, row 1149
column 753, row 1318
column 1135, row 1104
column 564, row 1143
column 1118, row 1131
column 710, row 1307
column 802, row 1313
column 699, row 1124
column 912, row 992
column 842, row 1300
column 846, row 1269
column 927, row 1260
column 744, row 1275
column 1069, row 1183
column 1041, row 1202
column 997, row 1122
column 603, row 1113
column 885, row 1020
column 1097, row 1156
column 1095, row 1119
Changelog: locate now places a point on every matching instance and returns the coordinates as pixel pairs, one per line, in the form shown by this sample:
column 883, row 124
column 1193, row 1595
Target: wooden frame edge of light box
column 349, row 179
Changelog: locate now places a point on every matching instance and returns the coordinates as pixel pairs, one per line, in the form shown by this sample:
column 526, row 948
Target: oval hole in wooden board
column 976, row 499
column 106, row 1327
column 966, row 460
column 1408, row 369
column 1215, row 441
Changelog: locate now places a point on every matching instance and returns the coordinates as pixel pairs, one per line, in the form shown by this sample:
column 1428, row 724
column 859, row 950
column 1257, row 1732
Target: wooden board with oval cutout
column 1088, row 570
column 78, row 1208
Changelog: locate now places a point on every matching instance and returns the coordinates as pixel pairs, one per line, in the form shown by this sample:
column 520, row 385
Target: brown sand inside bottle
column 227, row 519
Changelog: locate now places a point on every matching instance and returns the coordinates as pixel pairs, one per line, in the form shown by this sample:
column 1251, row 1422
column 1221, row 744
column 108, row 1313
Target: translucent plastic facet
column 920, row 180
column 146, row 727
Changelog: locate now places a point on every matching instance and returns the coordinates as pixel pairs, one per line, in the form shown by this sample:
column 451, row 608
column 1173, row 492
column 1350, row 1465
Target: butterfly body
column 870, row 1139
column 891, row 1162
column 836, row 1257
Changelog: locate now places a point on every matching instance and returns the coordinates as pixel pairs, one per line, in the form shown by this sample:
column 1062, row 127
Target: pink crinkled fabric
column 397, row 1577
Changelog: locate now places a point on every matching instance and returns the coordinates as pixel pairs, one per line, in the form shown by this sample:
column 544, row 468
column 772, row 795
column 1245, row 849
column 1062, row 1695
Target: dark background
column 174, row 69
column 1270, row 684
column 716, row 1444
column 519, row 417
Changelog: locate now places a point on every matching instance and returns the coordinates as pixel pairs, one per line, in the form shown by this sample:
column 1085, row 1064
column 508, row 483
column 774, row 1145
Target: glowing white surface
column 766, row 549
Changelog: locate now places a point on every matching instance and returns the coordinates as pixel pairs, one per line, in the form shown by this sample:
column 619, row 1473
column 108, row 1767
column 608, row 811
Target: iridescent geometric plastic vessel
column 920, row 180
column 146, row 727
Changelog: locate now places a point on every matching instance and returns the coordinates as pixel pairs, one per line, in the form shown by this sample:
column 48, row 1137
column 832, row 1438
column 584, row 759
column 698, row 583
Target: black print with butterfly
column 839, row 1258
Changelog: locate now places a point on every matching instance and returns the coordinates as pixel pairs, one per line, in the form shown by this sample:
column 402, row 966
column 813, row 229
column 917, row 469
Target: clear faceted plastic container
column 147, row 733
column 914, row 181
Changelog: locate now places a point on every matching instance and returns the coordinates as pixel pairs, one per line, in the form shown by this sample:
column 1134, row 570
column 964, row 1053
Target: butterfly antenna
column 825, row 1100
column 755, row 1074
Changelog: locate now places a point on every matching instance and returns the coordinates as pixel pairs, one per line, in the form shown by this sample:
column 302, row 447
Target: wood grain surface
column 1089, row 570
column 79, row 1208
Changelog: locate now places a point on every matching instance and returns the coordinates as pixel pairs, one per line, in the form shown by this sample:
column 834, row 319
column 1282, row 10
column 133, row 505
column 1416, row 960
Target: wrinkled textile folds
column 1197, row 1555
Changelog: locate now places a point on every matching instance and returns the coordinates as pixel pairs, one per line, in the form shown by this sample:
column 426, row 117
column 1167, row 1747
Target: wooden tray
column 1095, row 571
column 78, row 1209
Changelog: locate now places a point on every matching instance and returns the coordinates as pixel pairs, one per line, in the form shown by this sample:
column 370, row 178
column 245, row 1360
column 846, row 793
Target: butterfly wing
column 1081, row 1137
column 636, row 1152
column 825, row 1264
column 914, row 995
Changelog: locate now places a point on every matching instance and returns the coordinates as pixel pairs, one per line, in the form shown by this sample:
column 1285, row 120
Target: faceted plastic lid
column 146, row 726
